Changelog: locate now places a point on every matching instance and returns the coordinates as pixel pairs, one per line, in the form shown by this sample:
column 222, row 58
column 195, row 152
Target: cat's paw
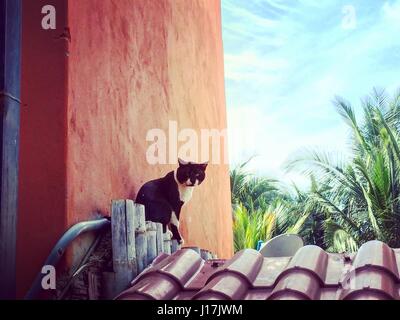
column 169, row 234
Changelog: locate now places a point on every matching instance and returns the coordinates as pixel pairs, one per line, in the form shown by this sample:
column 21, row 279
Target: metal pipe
column 59, row 249
column 10, row 87
column 81, row 267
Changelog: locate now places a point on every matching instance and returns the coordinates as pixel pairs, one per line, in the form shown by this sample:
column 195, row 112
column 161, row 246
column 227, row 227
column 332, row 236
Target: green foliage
column 257, row 208
column 350, row 201
column 360, row 197
column 251, row 191
column 251, row 227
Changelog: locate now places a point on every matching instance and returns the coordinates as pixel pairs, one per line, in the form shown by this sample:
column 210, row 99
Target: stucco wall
column 42, row 166
column 132, row 65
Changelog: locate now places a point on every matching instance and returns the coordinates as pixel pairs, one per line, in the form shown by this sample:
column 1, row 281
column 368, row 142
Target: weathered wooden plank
column 109, row 288
column 118, row 233
column 151, row 233
column 160, row 238
column 130, row 237
column 121, row 264
column 167, row 242
column 140, row 238
column 93, row 288
column 174, row 245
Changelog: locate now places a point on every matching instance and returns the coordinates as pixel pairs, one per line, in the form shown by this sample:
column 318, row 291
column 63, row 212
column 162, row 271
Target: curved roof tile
column 309, row 258
column 246, row 264
column 359, row 282
column 229, row 286
column 312, row 273
column 301, row 283
column 152, row 286
column 181, row 266
column 377, row 254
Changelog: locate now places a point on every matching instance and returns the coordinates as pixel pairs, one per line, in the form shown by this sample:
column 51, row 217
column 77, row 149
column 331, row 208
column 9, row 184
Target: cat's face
column 191, row 174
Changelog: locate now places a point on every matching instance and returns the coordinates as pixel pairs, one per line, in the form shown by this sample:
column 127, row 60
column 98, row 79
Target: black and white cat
column 163, row 198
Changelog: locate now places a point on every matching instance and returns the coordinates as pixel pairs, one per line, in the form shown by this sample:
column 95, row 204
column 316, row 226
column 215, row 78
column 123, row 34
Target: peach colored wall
column 134, row 65
column 129, row 66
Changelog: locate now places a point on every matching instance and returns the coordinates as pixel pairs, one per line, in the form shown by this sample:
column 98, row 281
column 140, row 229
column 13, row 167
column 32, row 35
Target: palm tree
column 248, row 227
column 252, row 191
column 257, row 207
column 358, row 200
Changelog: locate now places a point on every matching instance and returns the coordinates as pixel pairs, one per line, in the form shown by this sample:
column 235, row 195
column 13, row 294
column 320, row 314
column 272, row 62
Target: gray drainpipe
column 10, row 65
column 59, row 249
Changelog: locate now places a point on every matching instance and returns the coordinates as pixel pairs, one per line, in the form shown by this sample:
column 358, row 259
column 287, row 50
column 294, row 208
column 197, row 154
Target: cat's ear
column 203, row 166
column 182, row 162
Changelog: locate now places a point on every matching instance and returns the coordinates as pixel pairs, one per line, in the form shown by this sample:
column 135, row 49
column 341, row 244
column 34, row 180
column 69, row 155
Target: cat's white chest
column 185, row 193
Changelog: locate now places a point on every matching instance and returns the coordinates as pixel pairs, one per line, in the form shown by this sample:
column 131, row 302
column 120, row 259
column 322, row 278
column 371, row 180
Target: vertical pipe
column 10, row 55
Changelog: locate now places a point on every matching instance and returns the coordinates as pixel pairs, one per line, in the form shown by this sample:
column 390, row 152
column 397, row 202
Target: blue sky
column 285, row 60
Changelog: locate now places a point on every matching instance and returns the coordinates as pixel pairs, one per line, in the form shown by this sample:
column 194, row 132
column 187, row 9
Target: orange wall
column 42, row 172
column 132, row 65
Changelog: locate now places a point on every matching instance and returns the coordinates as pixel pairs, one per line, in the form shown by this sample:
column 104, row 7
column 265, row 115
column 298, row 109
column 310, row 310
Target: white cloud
column 250, row 66
column 253, row 132
column 279, row 4
column 391, row 12
column 239, row 12
column 254, row 61
column 287, row 69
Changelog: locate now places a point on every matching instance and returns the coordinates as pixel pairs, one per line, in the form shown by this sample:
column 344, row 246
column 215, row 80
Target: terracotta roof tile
column 311, row 274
